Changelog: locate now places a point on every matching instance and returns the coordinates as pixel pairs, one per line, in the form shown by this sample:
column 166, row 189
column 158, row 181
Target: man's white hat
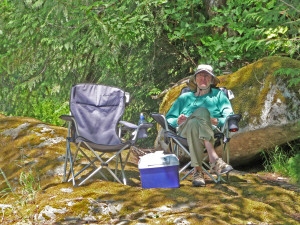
column 208, row 69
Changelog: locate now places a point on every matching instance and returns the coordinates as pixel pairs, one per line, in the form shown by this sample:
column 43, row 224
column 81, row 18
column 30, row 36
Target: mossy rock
column 269, row 106
column 27, row 164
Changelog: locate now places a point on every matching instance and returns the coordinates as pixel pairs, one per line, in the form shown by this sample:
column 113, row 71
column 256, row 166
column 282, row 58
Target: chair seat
column 101, row 148
column 183, row 141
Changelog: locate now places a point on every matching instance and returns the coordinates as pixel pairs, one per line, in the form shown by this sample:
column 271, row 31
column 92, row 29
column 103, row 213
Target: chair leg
column 123, row 167
column 91, row 163
column 66, row 160
column 73, row 161
column 104, row 165
column 228, row 160
column 71, row 166
column 109, row 170
column 226, row 152
column 209, row 174
column 188, row 173
column 118, row 158
column 122, row 171
column 92, row 174
column 84, row 168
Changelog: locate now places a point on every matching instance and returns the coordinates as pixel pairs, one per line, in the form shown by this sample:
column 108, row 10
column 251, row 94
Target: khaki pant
column 196, row 129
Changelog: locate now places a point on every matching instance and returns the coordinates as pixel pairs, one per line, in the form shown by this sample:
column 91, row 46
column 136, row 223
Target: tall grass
column 284, row 160
column 6, row 192
column 29, row 185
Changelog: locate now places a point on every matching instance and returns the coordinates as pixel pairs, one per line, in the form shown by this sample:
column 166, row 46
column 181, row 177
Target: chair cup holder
column 233, row 121
column 143, row 130
column 142, row 133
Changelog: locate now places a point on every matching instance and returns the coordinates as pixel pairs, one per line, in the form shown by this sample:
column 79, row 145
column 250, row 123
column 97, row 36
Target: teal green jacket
column 215, row 101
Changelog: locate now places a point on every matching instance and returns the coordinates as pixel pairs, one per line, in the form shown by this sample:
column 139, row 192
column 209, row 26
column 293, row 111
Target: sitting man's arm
column 181, row 119
column 214, row 121
column 173, row 115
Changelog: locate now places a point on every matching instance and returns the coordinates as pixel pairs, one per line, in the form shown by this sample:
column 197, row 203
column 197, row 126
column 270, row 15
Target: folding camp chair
column 96, row 111
column 222, row 137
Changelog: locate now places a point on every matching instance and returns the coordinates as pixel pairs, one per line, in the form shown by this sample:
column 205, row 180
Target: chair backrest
column 97, row 110
column 160, row 119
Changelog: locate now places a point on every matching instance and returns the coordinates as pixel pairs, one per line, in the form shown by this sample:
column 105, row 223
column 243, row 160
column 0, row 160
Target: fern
column 291, row 73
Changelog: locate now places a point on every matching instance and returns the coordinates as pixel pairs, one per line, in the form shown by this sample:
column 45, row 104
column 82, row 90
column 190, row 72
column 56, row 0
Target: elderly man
column 194, row 113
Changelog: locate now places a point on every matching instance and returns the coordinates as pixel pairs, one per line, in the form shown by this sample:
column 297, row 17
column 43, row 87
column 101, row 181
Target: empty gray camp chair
column 96, row 111
column 222, row 137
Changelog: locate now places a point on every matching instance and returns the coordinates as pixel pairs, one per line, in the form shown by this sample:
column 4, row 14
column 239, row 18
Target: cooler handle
column 167, row 161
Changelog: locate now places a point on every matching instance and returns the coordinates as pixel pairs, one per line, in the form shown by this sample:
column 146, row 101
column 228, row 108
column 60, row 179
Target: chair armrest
column 66, row 118
column 232, row 122
column 128, row 125
column 141, row 131
column 235, row 117
column 145, row 125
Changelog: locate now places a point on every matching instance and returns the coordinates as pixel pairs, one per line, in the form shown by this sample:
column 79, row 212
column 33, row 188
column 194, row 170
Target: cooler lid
column 157, row 159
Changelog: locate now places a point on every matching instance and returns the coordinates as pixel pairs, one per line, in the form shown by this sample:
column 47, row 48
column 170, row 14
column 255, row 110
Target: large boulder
column 269, row 105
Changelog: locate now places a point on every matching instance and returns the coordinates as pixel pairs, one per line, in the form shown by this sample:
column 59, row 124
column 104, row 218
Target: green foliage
column 284, row 160
column 30, row 184
column 140, row 46
column 292, row 74
column 278, row 160
column 294, row 168
column 4, row 192
column 231, row 35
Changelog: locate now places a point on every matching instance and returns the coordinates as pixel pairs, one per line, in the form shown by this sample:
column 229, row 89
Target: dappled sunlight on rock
column 246, row 198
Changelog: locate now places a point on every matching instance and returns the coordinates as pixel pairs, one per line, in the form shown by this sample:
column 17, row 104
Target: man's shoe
column 220, row 167
column 198, row 179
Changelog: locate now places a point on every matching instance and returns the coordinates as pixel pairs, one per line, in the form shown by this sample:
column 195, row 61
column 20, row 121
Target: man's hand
column 181, row 119
column 214, row 121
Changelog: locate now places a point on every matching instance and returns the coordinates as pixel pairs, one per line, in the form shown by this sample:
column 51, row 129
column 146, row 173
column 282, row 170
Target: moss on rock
column 247, row 198
column 252, row 84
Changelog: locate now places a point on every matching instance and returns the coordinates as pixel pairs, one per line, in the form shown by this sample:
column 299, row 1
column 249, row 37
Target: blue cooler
column 159, row 170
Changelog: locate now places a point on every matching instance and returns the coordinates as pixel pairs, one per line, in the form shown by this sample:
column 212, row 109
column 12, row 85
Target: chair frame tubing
column 104, row 164
column 204, row 166
column 174, row 148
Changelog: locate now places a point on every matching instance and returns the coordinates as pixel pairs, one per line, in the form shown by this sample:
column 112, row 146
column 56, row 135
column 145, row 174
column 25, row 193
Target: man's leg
column 197, row 129
column 212, row 155
column 217, row 165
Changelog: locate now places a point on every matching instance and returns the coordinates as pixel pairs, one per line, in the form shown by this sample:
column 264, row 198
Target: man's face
column 203, row 79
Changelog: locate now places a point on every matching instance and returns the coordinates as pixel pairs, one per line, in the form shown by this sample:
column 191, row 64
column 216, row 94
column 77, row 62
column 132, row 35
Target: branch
column 189, row 57
column 281, row 39
column 289, row 5
column 182, row 81
column 178, row 52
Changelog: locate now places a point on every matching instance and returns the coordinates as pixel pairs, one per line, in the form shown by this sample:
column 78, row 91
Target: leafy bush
column 284, row 160
column 46, row 46
column 293, row 166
